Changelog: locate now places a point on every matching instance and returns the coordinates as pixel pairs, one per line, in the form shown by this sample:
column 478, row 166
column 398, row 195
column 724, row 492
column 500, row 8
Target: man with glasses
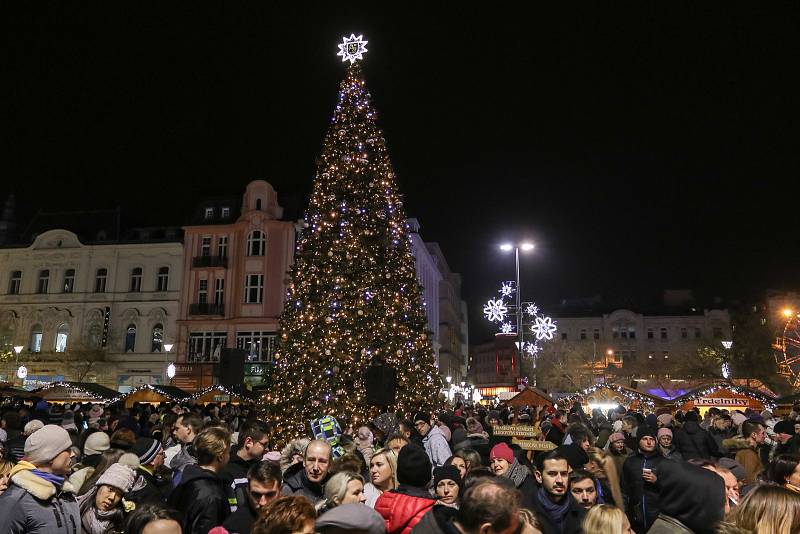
column 264, row 486
column 308, row 479
column 253, row 443
column 150, row 487
column 433, row 440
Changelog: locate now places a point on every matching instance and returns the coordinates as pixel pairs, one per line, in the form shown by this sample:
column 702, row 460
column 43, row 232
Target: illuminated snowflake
column 532, row 309
column 531, row 348
column 352, row 48
column 495, row 310
column 506, row 328
column 507, row 289
column 544, row 328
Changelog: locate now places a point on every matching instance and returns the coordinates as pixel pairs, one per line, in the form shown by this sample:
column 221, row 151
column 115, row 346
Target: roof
column 710, row 387
column 529, row 394
column 94, row 390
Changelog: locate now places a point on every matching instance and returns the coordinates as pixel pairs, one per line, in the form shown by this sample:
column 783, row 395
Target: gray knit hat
column 117, row 476
column 46, row 443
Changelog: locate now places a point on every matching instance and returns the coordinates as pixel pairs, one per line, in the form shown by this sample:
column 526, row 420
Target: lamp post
column 22, row 372
column 726, row 368
column 526, row 247
column 170, row 368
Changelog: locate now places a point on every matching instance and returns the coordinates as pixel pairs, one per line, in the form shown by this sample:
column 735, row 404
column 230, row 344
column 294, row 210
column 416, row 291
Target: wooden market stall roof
column 614, row 394
column 224, row 394
column 729, row 396
column 149, row 393
column 75, row 392
column 530, row 396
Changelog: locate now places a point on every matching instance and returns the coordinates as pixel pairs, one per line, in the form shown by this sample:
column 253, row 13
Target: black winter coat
column 693, row 442
column 642, row 498
column 154, row 490
column 200, row 497
column 234, row 477
column 241, row 521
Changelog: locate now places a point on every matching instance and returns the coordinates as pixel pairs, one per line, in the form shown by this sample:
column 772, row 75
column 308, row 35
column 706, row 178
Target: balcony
column 210, row 261
column 207, row 308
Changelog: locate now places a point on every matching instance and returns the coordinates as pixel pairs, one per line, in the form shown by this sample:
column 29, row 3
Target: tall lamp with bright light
column 171, row 366
column 526, row 247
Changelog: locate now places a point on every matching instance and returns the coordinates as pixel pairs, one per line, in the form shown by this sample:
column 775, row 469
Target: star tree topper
column 352, row 48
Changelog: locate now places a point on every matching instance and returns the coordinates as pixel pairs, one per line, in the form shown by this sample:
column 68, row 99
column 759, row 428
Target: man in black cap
column 788, row 441
column 433, row 439
column 149, row 488
column 693, row 442
column 638, row 481
column 403, row 507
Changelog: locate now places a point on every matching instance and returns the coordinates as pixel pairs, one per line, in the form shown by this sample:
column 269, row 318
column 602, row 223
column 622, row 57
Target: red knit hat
column 501, row 450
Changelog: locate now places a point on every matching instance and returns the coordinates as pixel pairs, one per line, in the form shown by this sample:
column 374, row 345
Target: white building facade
column 93, row 313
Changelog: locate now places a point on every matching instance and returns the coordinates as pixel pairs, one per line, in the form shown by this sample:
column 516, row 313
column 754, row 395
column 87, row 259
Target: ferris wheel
column 787, row 352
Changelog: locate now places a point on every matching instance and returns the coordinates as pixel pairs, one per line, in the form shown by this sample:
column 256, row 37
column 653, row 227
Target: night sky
column 641, row 149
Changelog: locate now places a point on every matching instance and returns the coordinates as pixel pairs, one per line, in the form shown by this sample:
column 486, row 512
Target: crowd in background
column 198, row 469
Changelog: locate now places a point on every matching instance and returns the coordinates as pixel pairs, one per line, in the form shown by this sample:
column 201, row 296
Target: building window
column 583, row 334
column 698, row 333
column 44, row 281
column 684, row 333
column 663, row 333
column 208, row 213
column 206, row 346
column 100, row 280
column 650, row 333
column 162, row 282
column 69, row 281
column 253, row 288
column 95, row 335
column 158, row 338
column 617, row 356
column 631, row 332
column 202, row 292
column 219, row 291
column 256, row 243
column 205, row 246
column 563, row 336
column 15, row 282
column 717, row 332
column 130, row 338
column 61, row 338
column 260, row 346
column 222, row 246
column 136, row 280
column 596, row 333
column 258, row 204
column 614, row 332
column 36, row 338
column 226, row 212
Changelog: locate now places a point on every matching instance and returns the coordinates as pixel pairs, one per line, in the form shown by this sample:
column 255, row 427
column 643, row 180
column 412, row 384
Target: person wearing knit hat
column 96, row 443
column 150, row 488
column 575, row 455
column 665, row 445
column 433, row 439
column 447, row 483
column 68, row 421
column 386, row 424
column 665, row 419
column 403, row 507
column 102, row 508
column 504, row 464
column 639, row 476
column 788, row 442
column 38, row 499
column 95, row 413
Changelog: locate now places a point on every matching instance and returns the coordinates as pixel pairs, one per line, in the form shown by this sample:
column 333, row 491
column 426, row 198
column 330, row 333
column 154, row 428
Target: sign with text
column 720, row 401
column 533, row 444
column 517, row 431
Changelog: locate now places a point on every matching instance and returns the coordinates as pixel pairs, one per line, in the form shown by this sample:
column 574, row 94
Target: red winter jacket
column 403, row 508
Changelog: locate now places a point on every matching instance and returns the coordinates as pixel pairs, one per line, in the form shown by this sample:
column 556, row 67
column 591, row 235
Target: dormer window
column 209, row 213
column 258, row 204
column 226, row 212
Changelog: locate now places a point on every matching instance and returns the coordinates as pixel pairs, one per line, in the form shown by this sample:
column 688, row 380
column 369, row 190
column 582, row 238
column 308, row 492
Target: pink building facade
column 235, row 271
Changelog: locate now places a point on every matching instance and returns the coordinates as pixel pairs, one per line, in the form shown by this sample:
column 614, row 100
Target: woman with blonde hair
column 382, row 475
column 345, row 487
column 766, row 509
column 605, row 471
column 605, row 519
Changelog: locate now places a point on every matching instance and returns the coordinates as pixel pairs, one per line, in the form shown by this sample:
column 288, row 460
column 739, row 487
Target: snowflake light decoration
column 495, row 310
column 531, row 348
column 352, row 48
column 506, row 328
column 544, row 328
column 507, row 289
column 532, row 309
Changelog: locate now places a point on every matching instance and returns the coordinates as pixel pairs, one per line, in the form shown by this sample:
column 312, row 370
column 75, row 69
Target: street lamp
column 22, row 371
column 526, row 247
column 787, row 312
column 171, row 366
column 726, row 368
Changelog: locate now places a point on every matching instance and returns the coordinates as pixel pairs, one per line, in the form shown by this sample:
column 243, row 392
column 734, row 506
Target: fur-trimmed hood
column 297, row 446
column 737, row 443
column 40, row 488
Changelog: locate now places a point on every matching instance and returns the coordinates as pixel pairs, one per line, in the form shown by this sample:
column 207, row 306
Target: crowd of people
column 215, row 469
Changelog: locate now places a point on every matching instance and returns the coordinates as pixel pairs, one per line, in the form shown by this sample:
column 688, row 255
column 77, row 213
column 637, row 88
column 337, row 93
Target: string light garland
column 156, row 389
column 705, row 391
column 224, row 390
column 353, row 295
column 92, row 395
column 629, row 395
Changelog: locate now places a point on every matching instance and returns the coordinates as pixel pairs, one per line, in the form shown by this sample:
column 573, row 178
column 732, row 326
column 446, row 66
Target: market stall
column 67, row 392
column 609, row 396
column 154, row 394
column 725, row 396
column 532, row 397
column 224, row 395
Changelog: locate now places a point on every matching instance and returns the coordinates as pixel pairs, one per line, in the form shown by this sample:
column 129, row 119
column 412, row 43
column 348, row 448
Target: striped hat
column 146, row 449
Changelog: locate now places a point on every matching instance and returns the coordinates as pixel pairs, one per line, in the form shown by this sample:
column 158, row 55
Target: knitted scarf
column 517, row 473
column 556, row 512
column 95, row 521
column 55, row 480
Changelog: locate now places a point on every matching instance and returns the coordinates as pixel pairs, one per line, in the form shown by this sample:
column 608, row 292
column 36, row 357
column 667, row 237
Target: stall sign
column 533, row 444
column 720, row 401
column 517, row 431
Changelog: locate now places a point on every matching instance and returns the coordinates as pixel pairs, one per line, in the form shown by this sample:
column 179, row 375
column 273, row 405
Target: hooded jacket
column 200, row 497
column 148, row 488
column 693, row 442
column 643, row 504
column 435, row 444
column 691, row 498
column 746, row 456
column 403, row 508
column 296, row 482
column 234, row 477
column 33, row 505
column 241, row 521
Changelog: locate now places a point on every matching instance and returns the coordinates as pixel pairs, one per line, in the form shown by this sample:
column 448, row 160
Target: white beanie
column 96, row 443
column 117, row 476
column 46, row 443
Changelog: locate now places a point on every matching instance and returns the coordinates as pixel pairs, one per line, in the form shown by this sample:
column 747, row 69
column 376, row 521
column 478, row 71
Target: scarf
column 55, row 480
column 517, row 473
column 95, row 521
column 556, row 512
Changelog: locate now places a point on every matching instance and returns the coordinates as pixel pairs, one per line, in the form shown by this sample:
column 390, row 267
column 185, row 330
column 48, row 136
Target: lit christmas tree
column 353, row 296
